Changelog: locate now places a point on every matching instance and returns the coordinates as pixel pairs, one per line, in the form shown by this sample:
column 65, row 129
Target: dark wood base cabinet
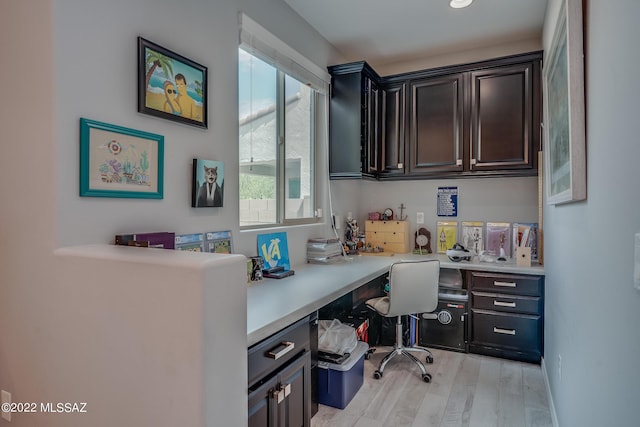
column 507, row 315
column 280, row 379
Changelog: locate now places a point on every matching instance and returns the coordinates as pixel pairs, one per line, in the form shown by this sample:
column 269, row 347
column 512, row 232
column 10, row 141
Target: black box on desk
column 449, row 330
column 338, row 384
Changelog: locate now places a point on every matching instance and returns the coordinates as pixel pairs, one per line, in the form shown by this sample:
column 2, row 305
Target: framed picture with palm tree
column 171, row 86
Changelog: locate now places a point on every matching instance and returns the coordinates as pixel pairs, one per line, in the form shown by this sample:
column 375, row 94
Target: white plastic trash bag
column 336, row 337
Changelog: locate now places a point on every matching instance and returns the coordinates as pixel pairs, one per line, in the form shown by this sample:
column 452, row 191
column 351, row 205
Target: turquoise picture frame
column 120, row 162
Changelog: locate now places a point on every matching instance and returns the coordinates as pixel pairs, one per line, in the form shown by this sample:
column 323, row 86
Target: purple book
column 165, row 239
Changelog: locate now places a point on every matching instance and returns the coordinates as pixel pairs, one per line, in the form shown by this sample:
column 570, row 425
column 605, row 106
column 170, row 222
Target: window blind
column 256, row 40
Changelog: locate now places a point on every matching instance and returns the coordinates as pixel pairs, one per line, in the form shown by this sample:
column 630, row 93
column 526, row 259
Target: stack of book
column 164, row 240
column 323, row 251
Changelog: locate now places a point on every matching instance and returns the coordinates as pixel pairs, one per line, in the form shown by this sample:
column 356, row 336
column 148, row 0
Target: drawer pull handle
column 504, row 331
column 505, row 284
column 504, row 304
column 280, row 350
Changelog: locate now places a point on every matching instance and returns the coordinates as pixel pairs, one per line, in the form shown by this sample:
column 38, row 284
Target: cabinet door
column 502, row 118
column 345, row 126
column 436, row 125
column 393, row 125
column 371, row 126
column 262, row 405
column 295, row 380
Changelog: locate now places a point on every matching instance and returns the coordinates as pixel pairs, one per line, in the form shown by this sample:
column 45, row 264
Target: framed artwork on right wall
column 565, row 148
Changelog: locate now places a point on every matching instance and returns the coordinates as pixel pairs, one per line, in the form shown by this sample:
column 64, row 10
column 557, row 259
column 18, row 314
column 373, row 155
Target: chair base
column 399, row 348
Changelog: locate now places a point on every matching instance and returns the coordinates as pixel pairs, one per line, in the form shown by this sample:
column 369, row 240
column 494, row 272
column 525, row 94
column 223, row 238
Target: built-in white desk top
column 273, row 304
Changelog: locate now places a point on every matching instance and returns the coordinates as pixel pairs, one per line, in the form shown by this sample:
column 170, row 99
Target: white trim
column 552, row 407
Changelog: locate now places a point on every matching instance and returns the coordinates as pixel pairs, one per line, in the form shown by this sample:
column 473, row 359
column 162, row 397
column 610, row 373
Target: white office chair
column 413, row 289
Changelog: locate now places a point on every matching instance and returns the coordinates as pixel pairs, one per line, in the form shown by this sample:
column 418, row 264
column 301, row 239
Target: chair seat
column 413, row 288
column 380, row 304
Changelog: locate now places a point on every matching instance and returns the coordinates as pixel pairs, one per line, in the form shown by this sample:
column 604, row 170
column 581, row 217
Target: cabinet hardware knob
column 504, row 331
column 504, row 284
column 278, row 394
column 281, row 392
column 287, row 390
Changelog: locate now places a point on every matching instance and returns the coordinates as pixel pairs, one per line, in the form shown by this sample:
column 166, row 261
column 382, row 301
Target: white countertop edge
column 274, row 304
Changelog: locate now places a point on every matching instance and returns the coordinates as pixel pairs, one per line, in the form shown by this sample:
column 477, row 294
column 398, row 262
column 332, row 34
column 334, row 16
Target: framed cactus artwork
column 120, row 162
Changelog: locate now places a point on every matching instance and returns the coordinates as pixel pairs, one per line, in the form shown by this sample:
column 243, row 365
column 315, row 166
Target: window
column 278, row 117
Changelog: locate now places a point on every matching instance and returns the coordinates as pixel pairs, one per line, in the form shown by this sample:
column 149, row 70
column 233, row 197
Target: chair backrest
column 413, row 287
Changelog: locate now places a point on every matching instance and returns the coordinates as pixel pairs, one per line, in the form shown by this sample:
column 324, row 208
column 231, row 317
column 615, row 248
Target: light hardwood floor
column 466, row 390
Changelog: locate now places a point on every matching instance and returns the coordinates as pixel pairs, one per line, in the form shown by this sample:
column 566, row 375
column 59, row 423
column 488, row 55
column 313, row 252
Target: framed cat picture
column 208, row 184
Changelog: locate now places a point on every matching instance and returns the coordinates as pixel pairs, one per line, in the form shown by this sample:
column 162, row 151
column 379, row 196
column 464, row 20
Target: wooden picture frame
column 120, row 162
column 171, row 86
column 565, row 148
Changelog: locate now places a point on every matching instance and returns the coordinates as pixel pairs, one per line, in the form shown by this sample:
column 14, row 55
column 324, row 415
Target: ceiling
column 385, row 31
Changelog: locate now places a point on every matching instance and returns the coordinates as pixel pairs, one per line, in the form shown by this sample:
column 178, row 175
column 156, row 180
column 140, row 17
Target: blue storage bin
column 337, row 384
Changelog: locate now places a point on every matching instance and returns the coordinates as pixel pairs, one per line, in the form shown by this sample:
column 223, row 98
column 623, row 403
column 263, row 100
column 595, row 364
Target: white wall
column 487, row 199
column 144, row 337
column 95, row 77
column 592, row 310
column 67, row 59
column 27, row 186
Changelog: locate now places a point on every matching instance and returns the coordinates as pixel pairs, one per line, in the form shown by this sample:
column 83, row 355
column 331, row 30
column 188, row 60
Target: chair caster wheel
column 429, row 359
column 377, row 375
column 426, row 378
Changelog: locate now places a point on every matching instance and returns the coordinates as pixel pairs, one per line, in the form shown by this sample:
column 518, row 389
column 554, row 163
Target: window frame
column 316, row 97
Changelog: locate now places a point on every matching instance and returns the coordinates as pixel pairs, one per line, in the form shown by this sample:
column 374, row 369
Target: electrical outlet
column 420, row 218
column 559, row 366
column 6, row 401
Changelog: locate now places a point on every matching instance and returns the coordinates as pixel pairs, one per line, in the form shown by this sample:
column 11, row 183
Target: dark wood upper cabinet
column 468, row 120
column 503, row 118
column 372, row 126
column 354, row 121
column 393, row 126
column 436, row 125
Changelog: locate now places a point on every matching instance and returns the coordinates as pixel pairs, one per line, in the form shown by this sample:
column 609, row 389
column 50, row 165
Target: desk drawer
column 509, row 331
column 386, row 226
column 507, row 283
column 385, row 236
column 507, row 303
column 268, row 355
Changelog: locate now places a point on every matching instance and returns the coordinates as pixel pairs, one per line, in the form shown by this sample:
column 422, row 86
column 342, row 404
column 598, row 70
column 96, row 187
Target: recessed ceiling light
column 458, row 4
